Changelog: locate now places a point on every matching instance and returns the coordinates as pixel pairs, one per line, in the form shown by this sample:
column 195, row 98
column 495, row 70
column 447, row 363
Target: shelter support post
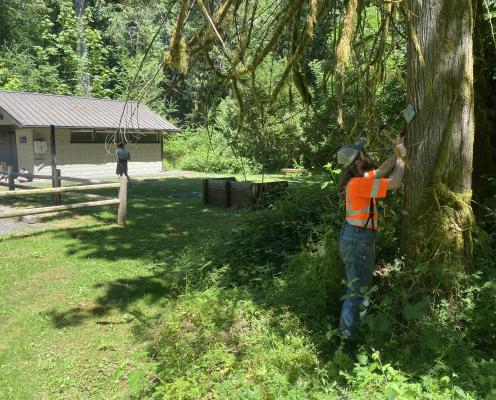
column 53, row 157
column 11, row 177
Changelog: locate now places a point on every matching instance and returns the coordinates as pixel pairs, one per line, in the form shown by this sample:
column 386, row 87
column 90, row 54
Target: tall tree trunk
column 82, row 50
column 439, row 217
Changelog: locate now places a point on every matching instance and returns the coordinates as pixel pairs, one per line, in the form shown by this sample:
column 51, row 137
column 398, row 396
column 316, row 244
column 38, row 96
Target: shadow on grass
column 159, row 227
column 119, row 295
column 169, row 234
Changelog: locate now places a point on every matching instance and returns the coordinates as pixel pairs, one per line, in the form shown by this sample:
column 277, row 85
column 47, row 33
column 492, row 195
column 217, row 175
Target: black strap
column 371, row 214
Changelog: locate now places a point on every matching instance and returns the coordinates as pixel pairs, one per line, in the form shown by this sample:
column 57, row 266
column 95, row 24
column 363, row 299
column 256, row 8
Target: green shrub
column 449, row 332
column 295, row 222
column 257, row 313
column 220, row 344
column 204, row 151
column 372, row 379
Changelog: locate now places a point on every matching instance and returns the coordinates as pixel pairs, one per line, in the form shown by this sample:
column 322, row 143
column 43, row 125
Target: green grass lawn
column 193, row 302
column 80, row 298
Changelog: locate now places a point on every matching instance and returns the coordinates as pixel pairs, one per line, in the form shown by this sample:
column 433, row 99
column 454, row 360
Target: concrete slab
column 11, row 225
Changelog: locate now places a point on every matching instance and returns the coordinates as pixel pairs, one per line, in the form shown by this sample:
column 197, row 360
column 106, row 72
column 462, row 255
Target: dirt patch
column 62, row 220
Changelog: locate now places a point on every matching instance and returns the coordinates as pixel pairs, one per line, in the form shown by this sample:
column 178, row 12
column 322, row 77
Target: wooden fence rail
column 73, row 190
column 47, row 177
column 59, row 189
column 52, row 209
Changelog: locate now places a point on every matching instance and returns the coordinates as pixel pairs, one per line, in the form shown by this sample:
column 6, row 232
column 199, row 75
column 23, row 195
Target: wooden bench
column 294, row 170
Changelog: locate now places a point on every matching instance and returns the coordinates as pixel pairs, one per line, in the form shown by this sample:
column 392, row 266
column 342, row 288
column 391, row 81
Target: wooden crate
column 227, row 192
column 251, row 194
column 216, row 191
column 243, row 194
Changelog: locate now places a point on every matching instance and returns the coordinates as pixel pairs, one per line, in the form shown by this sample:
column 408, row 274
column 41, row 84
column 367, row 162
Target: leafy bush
column 219, row 343
column 259, row 311
column 447, row 331
column 372, row 379
column 204, row 151
column 296, row 221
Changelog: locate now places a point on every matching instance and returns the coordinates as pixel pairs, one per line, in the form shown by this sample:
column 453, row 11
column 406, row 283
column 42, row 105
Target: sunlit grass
column 75, row 292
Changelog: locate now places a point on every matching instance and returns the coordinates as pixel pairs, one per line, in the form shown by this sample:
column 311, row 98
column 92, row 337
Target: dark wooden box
column 227, row 192
column 216, row 191
column 251, row 194
column 243, row 194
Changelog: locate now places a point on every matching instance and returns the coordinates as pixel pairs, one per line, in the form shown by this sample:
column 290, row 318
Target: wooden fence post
column 121, row 214
column 10, row 170
column 56, row 182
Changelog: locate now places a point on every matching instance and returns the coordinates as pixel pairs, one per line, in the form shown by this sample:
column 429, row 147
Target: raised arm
column 394, row 182
column 386, row 167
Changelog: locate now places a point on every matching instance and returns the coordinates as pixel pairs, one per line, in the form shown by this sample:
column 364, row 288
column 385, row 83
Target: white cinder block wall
column 25, row 153
column 84, row 160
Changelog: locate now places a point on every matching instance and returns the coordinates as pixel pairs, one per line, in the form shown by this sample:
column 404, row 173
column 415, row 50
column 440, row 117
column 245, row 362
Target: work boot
column 349, row 347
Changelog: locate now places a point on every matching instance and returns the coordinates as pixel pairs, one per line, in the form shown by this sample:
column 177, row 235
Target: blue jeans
column 357, row 248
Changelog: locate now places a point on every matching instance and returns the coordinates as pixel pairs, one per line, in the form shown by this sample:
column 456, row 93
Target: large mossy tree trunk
column 438, row 223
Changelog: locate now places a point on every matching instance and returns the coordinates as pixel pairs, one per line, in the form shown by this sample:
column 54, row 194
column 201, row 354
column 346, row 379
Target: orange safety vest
column 360, row 194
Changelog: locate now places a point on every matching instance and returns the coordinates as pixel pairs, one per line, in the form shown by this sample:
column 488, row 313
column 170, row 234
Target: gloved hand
column 399, row 145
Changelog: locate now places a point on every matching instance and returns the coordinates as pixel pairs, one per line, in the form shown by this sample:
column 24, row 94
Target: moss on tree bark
column 439, row 219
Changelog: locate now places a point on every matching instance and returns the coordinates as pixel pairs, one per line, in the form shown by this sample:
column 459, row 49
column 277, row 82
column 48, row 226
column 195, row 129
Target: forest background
column 116, row 49
column 46, row 47
column 322, row 74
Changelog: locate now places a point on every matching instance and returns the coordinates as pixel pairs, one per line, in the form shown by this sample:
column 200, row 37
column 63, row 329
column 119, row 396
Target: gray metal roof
column 42, row 110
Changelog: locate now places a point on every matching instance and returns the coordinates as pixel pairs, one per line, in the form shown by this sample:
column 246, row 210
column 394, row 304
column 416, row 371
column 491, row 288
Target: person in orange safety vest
column 361, row 185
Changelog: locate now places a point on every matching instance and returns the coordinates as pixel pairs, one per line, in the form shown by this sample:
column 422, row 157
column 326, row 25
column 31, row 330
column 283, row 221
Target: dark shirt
column 123, row 154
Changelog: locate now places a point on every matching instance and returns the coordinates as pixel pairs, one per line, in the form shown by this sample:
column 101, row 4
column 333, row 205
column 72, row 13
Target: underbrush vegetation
column 205, row 150
column 233, row 304
column 218, row 343
column 258, row 314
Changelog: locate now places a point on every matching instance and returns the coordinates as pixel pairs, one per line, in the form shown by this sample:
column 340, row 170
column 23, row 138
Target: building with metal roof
column 86, row 130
